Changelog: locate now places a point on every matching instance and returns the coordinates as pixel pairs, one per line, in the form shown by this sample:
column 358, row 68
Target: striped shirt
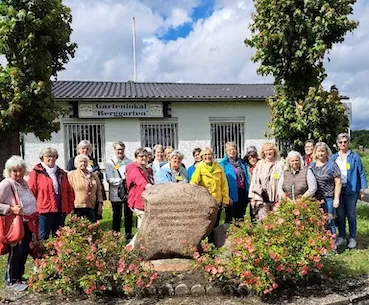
column 324, row 176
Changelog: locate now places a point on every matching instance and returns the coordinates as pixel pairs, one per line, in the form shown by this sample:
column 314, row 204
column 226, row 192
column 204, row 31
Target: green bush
column 84, row 259
column 287, row 246
column 365, row 160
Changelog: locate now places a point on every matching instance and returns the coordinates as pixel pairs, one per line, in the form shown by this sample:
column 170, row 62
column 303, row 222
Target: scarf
column 51, row 171
column 210, row 167
column 236, row 164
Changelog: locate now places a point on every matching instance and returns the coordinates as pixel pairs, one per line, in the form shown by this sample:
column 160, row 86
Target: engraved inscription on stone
column 177, row 217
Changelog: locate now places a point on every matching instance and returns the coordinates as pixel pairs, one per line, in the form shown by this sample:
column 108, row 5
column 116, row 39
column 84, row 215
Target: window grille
column 223, row 132
column 165, row 134
column 95, row 133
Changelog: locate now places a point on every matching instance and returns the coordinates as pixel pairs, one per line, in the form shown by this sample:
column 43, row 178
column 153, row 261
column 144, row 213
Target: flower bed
column 288, row 245
column 84, row 259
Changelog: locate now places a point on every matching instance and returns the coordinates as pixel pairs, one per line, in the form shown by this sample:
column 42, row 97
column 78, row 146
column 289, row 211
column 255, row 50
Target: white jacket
column 112, row 176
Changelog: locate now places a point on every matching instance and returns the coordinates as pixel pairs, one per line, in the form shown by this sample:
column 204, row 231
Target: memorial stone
column 177, row 217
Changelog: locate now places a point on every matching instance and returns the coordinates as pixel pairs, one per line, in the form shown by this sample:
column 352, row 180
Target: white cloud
column 213, row 51
column 177, row 17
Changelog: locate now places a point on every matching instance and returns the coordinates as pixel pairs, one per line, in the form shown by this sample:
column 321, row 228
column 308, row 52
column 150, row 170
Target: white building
column 181, row 115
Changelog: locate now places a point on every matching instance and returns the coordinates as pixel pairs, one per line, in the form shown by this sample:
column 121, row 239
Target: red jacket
column 42, row 187
column 136, row 180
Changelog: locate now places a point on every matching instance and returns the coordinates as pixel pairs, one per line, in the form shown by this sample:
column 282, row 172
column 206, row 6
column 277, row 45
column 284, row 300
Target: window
column 223, row 130
column 95, row 133
column 164, row 133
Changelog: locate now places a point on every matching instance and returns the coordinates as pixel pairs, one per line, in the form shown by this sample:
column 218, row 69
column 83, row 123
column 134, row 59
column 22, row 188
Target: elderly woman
column 196, row 153
column 17, row 198
column 85, row 148
column 265, row 179
column 297, row 180
column 173, row 171
column 238, row 183
column 353, row 184
column 210, row 175
column 54, row 195
column 158, row 160
column 328, row 177
column 138, row 178
column 87, row 189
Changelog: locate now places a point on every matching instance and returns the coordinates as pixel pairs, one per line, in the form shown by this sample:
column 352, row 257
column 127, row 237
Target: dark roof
column 133, row 90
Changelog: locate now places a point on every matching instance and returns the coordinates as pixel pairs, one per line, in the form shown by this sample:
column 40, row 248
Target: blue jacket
column 191, row 170
column 232, row 179
column 356, row 179
column 165, row 174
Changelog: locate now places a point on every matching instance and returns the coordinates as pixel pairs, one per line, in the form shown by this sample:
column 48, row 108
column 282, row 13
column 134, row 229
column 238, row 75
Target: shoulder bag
column 11, row 229
column 122, row 192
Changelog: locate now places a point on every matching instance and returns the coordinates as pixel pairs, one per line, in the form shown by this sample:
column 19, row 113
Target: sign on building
column 100, row 110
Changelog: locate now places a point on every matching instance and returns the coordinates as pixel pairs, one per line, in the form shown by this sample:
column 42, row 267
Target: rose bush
column 287, row 246
column 84, row 259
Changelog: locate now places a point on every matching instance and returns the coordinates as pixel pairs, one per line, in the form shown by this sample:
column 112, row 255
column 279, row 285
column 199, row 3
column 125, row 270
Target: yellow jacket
column 215, row 182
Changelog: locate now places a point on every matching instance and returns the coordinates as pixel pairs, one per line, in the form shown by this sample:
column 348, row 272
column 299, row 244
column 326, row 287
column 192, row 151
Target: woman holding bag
column 16, row 198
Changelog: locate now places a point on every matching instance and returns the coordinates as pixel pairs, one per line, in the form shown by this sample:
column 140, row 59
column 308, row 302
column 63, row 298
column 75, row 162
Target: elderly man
column 115, row 175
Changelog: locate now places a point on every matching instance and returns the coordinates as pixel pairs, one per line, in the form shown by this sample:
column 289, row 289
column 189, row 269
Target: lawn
column 349, row 264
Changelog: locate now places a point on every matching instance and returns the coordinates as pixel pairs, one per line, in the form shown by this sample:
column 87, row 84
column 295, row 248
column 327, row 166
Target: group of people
column 259, row 178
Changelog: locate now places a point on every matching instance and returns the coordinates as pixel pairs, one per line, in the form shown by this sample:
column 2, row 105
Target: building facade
column 180, row 115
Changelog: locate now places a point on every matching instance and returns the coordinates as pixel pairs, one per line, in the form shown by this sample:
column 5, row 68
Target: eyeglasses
column 53, row 156
column 342, row 142
column 120, row 149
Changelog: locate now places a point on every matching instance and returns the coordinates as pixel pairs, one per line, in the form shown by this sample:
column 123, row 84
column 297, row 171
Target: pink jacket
column 137, row 180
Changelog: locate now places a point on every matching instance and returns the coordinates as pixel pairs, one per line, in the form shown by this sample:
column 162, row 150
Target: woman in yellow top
column 210, row 175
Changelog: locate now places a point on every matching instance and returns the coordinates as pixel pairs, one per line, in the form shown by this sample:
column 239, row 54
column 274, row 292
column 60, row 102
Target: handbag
column 122, row 192
column 11, row 229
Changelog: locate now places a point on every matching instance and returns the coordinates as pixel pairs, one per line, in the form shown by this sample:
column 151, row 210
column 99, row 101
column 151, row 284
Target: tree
column 360, row 138
column 35, row 39
column 292, row 38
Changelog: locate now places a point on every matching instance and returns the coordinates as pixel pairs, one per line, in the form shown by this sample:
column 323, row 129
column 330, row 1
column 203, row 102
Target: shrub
column 365, row 160
column 84, row 259
column 286, row 246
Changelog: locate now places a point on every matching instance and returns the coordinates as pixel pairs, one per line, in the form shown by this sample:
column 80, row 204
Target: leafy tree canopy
column 35, row 39
column 360, row 137
column 291, row 38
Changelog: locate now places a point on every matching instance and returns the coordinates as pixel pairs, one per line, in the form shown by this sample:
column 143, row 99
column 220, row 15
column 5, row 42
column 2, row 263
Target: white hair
column 176, row 153
column 293, row 154
column 85, row 143
column 343, row 135
column 13, row 162
column 48, row 150
column 80, row 156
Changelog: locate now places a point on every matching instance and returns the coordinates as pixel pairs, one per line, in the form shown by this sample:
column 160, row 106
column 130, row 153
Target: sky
column 197, row 41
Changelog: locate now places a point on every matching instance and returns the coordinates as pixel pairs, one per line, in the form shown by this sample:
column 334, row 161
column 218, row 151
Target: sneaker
column 340, row 241
column 19, row 287
column 352, row 243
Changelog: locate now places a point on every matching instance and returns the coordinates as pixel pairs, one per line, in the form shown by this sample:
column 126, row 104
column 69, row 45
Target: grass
column 349, row 264
column 353, row 263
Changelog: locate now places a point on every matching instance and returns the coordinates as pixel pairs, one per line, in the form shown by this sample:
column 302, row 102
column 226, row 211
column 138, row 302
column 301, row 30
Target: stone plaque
column 177, row 217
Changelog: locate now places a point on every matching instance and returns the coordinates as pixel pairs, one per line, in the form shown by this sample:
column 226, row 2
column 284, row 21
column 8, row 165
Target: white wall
column 194, row 125
column 193, row 129
column 126, row 130
column 33, row 147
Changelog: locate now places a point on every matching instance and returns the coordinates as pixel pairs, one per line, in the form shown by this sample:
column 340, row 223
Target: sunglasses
column 142, row 156
column 342, row 142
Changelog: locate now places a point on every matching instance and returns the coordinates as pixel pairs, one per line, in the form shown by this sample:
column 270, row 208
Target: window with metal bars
column 223, row 132
column 165, row 133
column 95, row 133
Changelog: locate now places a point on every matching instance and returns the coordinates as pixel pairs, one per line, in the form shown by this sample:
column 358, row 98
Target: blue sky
column 202, row 11
column 197, row 41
